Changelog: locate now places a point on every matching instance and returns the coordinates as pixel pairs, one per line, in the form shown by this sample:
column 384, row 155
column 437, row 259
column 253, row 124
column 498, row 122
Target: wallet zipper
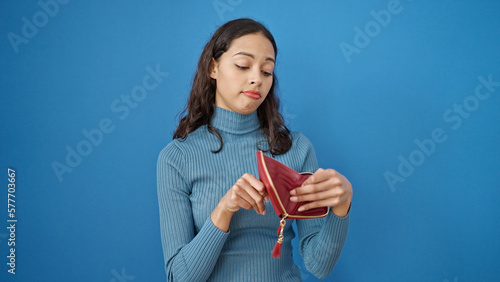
column 283, row 210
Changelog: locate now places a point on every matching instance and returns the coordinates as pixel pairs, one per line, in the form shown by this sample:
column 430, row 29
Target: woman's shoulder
column 300, row 141
column 181, row 147
column 172, row 151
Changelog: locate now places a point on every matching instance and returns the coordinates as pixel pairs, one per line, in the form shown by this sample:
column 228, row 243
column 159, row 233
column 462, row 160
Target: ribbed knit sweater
column 191, row 182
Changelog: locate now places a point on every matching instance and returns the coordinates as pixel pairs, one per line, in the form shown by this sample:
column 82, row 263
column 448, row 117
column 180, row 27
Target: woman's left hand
column 325, row 188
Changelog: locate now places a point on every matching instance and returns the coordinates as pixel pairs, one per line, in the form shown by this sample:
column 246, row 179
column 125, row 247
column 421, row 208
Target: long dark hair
column 201, row 104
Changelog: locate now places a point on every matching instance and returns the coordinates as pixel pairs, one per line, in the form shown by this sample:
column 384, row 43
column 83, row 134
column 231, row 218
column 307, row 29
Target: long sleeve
column 321, row 239
column 192, row 180
column 188, row 256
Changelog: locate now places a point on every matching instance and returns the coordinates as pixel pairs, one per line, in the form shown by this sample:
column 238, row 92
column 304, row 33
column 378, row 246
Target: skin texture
column 248, row 65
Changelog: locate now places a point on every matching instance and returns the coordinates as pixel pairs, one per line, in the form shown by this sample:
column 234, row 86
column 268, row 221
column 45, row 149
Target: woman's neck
column 235, row 123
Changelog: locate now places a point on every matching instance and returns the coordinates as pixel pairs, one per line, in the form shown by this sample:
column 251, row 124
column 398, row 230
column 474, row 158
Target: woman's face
column 244, row 74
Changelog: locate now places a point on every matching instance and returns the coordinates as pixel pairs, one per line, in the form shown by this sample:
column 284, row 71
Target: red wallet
column 279, row 180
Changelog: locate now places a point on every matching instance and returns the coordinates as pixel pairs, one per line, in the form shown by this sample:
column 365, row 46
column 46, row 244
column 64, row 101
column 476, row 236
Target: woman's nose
column 255, row 77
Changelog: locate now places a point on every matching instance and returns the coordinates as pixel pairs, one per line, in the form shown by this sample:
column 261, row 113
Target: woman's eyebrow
column 252, row 56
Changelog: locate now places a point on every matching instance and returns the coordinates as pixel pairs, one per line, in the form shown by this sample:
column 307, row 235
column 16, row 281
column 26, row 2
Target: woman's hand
column 325, row 188
column 248, row 192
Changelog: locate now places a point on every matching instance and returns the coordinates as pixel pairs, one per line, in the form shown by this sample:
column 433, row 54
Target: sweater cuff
column 215, row 235
column 336, row 222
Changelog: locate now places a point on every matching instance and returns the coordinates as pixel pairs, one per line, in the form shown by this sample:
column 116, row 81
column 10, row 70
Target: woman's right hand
column 248, row 192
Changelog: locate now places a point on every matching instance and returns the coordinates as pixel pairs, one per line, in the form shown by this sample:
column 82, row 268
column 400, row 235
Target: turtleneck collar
column 233, row 122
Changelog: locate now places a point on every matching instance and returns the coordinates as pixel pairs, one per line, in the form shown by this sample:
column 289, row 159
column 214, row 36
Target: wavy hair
column 201, row 103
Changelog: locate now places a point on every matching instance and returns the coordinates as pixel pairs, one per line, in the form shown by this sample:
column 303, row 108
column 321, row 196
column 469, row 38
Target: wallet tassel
column 277, row 247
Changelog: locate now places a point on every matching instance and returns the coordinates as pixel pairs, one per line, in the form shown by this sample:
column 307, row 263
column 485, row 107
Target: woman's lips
column 252, row 94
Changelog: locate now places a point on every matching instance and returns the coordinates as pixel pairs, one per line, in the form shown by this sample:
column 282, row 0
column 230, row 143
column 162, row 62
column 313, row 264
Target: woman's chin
column 248, row 108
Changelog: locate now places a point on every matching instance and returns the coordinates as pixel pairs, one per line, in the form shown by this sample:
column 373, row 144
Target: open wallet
column 279, row 180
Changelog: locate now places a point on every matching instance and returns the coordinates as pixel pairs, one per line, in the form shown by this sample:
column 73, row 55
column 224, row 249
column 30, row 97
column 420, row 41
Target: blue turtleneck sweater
column 191, row 182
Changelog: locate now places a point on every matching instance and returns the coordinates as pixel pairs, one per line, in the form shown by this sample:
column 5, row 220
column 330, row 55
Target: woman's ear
column 213, row 68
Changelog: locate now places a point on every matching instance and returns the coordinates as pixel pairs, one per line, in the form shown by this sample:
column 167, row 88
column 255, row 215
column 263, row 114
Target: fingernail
column 293, row 199
column 301, row 209
column 293, row 192
column 264, row 212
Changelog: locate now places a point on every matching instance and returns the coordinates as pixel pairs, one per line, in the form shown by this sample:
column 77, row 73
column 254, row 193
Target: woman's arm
column 322, row 240
column 187, row 257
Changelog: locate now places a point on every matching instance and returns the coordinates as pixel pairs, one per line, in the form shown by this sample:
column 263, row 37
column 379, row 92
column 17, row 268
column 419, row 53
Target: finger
column 317, row 187
column 331, row 202
column 247, row 192
column 241, row 199
column 256, row 183
column 318, row 176
column 237, row 199
column 321, row 175
column 317, row 196
column 238, row 202
column 256, row 199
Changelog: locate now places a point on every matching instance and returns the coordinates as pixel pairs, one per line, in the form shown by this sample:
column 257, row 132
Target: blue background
column 361, row 111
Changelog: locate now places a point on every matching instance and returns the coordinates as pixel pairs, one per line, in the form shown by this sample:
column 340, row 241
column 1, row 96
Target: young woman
column 216, row 222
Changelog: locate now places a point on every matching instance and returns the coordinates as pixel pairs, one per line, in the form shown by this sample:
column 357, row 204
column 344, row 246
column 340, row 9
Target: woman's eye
column 266, row 73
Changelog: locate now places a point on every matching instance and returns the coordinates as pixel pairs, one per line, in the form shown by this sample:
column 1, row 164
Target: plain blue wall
column 365, row 92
